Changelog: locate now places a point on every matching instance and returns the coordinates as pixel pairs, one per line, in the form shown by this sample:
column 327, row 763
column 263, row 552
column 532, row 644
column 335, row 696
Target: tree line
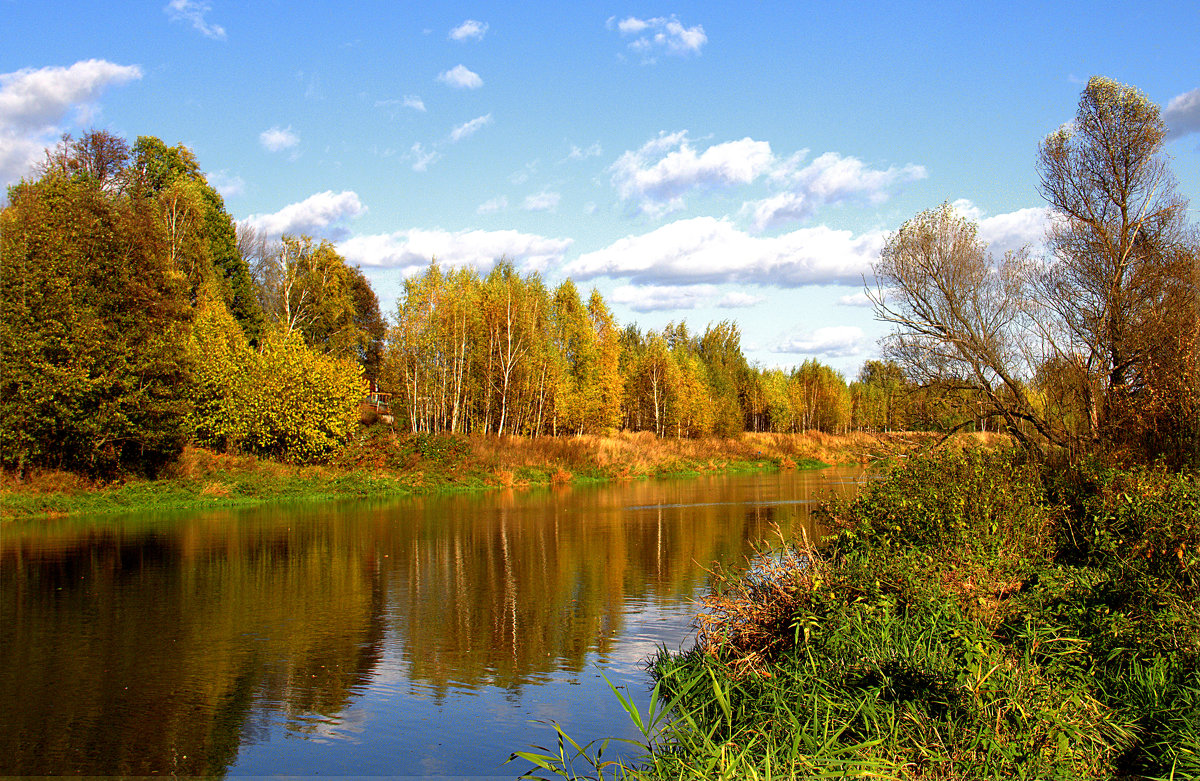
column 136, row 315
column 504, row 353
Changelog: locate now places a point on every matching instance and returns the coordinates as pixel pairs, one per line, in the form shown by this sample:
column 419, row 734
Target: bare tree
column 962, row 317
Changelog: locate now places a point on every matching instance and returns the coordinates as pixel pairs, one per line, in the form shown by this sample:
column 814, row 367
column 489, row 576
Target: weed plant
column 975, row 615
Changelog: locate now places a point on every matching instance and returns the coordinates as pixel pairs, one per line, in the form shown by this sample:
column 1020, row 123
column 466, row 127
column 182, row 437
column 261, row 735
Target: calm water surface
column 405, row 638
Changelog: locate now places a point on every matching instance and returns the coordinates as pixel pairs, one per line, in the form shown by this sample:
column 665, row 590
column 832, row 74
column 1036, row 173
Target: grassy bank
column 977, row 616
column 378, row 463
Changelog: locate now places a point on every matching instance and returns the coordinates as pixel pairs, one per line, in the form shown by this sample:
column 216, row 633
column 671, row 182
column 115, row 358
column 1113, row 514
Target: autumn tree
column 306, row 287
column 189, row 206
column 963, row 321
column 93, row 329
column 1117, row 290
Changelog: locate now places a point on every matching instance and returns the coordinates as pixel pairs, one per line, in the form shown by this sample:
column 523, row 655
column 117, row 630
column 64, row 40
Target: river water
column 424, row 637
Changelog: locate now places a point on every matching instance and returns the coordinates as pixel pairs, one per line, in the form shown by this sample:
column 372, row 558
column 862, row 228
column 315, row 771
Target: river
column 423, row 637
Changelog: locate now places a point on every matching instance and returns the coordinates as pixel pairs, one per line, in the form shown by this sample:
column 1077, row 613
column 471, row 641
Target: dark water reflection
column 406, row 638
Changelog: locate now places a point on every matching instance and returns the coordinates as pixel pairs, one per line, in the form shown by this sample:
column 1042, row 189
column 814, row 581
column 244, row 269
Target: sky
column 692, row 161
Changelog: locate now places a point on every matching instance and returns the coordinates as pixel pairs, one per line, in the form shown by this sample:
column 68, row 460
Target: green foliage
column 973, row 617
column 93, row 327
column 977, row 497
column 159, row 173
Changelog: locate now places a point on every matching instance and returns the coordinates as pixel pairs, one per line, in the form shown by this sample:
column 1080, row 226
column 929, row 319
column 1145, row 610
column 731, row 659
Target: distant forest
column 136, row 316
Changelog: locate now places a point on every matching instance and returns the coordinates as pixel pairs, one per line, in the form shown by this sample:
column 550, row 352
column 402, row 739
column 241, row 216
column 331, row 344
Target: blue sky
column 691, row 160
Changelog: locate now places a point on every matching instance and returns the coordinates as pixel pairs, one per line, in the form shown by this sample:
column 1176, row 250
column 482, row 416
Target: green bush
column 285, row 400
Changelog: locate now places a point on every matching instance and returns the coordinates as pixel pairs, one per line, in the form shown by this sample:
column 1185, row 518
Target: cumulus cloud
column 411, row 250
column 34, row 104
column 710, row 250
column 541, row 202
column 1182, row 114
column 323, row 215
column 276, row 139
column 1010, row 231
column 664, row 169
column 498, row 204
column 658, row 298
column 193, row 12
column 469, row 128
column 660, row 34
column 422, row 158
column 460, row 77
column 738, row 300
column 469, row 30
column 835, row 341
column 830, row 179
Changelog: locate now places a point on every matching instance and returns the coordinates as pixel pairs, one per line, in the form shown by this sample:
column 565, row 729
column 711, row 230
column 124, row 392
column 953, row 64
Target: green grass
column 375, row 464
column 976, row 616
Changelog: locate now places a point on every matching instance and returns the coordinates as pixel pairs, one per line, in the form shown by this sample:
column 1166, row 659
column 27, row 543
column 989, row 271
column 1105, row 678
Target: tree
column 1118, row 229
column 171, row 177
column 93, row 330
column 307, row 288
column 369, row 321
column 962, row 317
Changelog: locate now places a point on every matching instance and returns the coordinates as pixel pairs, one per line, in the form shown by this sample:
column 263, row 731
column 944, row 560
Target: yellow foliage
column 287, row 400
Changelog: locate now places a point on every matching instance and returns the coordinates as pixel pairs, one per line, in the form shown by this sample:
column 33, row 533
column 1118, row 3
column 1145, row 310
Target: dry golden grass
column 46, row 481
column 216, row 490
column 198, row 464
column 632, row 454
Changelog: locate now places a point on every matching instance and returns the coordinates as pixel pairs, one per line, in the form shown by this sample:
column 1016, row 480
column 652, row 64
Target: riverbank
column 378, row 464
column 976, row 616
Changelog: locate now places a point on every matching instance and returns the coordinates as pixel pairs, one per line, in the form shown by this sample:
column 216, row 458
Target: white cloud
column 422, row 158
column 966, row 208
column 828, row 180
column 835, row 341
column 34, row 104
column 227, row 185
column 710, row 250
column 469, row 30
column 322, row 215
column 664, row 169
column 1011, row 231
column 192, row 12
column 737, row 300
column 661, row 34
column 276, row 139
column 541, row 202
column 1182, row 114
column 855, row 299
column 462, row 78
column 469, row 128
column 657, row 298
column 522, row 176
column 492, row 206
column 411, row 250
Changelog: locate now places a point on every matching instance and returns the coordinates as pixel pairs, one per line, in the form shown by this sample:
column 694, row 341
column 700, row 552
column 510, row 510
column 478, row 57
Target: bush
column 286, row 401
column 970, row 618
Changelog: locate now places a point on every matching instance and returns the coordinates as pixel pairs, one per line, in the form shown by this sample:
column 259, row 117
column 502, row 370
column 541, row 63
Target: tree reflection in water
column 163, row 644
